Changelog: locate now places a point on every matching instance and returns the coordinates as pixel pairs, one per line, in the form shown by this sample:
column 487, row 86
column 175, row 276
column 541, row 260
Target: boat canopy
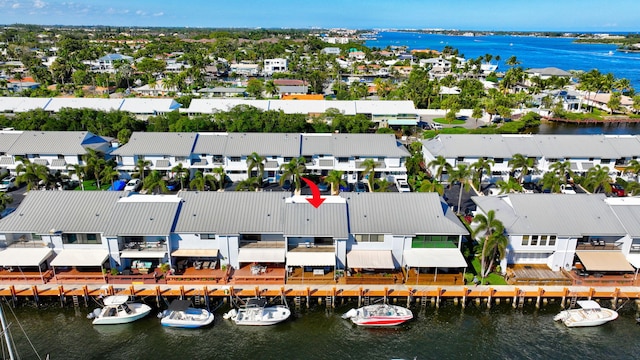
column 115, row 300
column 179, row 305
column 588, row 304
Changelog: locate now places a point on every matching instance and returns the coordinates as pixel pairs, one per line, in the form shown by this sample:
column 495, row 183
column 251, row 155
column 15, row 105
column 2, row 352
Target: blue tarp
column 118, row 185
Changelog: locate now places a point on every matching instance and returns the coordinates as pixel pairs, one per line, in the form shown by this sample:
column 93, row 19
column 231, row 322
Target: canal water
column 589, row 129
column 446, row 333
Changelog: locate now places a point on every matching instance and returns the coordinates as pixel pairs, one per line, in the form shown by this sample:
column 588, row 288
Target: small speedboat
column 589, row 314
column 117, row 310
column 257, row 312
column 180, row 314
column 379, row 315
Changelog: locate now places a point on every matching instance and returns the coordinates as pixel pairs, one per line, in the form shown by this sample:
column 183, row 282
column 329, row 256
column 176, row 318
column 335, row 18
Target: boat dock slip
column 517, row 294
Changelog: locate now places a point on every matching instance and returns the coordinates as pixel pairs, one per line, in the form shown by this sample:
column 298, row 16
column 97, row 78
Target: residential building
column 272, row 66
column 163, row 151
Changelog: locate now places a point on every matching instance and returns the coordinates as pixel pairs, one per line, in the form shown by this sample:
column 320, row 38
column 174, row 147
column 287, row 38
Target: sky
column 508, row 15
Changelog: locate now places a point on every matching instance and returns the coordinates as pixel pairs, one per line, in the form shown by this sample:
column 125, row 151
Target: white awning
column 604, row 261
column 78, row 257
column 634, row 260
column 196, row 253
column 24, row 256
column 262, row 255
column 434, row 258
column 370, row 259
column 311, row 258
column 135, row 254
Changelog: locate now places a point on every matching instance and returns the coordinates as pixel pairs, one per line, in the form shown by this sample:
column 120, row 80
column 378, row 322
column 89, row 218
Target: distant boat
column 180, row 314
column 117, row 310
column 610, row 52
column 256, row 312
column 589, row 314
column 379, row 315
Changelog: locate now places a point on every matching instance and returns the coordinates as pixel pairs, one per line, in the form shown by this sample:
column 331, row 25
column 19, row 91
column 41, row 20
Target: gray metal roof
column 575, row 146
column 66, row 211
column 626, row 146
column 211, row 143
column 7, row 138
column 452, row 146
column 559, row 214
column 328, row 220
column 629, row 216
column 229, row 213
column 347, row 145
column 50, row 142
column 131, row 218
column 265, row 144
column 158, row 143
column 400, row 214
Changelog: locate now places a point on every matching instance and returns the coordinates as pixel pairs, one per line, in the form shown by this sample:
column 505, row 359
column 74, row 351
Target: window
column 343, row 159
column 369, row 237
column 460, row 158
column 217, row 159
column 288, row 159
column 534, row 240
column 69, row 238
column 81, row 239
column 543, row 240
column 525, row 240
column 235, row 159
column 552, row 240
column 434, row 241
column 498, row 160
column 207, row 236
column 319, row 241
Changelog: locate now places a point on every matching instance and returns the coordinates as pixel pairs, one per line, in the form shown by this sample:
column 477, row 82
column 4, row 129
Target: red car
column 617, row 190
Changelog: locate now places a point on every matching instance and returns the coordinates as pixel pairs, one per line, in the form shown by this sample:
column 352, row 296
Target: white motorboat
column 117, row 310
column 256, row 312
column 180, row 314
column 379, row 315
column 589, row 314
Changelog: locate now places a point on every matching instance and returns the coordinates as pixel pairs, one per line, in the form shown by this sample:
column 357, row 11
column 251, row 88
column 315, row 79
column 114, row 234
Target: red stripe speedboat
column 379, row 315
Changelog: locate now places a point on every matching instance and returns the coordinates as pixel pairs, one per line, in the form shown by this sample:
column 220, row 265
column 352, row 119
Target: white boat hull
column 261, row 316
column 379, row 315
column 191, row 318
column 586, row 317
column 109, row 317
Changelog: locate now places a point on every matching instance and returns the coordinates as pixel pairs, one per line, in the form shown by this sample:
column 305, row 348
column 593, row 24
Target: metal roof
column 68, row 211
column 560, row 214
column 627, row 209
column 158, row 143
column 453, row 146
column 304, row 220
column 56, row 104
column 575, row 146
column 22, row 104
column 139, row 218
column 51, row 142
column 265, row 144
column 401, row 214
column 149, row 106
column 7, row 138
column 229, row 213
column 211, row 143
column 348, row 145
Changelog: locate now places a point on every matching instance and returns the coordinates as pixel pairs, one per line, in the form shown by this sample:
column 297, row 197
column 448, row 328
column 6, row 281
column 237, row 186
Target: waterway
column 532, row 52
column 448, row 332
column 587, row 129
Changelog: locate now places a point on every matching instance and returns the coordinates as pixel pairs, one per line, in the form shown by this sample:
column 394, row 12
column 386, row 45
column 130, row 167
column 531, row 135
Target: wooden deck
column 199, row 276
column 298, row 276
column 271, row 275
column 535, row 274
column 433, row 279
column 389, row 278
column 30, row 277
column 75, row 276
column 602, row 279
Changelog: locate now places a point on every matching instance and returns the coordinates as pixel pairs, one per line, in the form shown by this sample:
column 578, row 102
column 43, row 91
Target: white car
column 567, row 189
column 436, row 126
column 8, row 183
column 133, row 185
column 402, row 185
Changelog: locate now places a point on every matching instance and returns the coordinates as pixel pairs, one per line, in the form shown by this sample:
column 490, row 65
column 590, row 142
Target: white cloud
column 141, row 13
column 159, row 14
column 39, row 4
column 15, row 6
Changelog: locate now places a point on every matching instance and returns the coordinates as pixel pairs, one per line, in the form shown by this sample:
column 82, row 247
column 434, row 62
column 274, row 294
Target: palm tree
column 255, row 161
column 462, row 174
column 293, row 170
column 109, row 174
column 633, row 168
column 5, row 199
column 141, row 167
column 369, row 171
column 31, row 173
column 426, row 185
column 181, row 172
column 486, row 227
column 94, row 163
column 633, row 188
column 155, row 183
column 483, row 165
column 522, row 163
column 79, row 171
column 335, row 179
column 382, row 185
column 510, row 186
column 249, row 184
column 221, row 175
column 197, row 182
column 562, row 169
column 270, row 88
column 597, row 179
column 441, row 165
column 552, row 182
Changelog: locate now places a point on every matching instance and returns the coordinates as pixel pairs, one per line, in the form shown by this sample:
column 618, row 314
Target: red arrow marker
column 315, row 200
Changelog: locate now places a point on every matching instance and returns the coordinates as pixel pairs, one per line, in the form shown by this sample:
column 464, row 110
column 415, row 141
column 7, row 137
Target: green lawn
column 91, row 185
column 445, row 122
column 493, row 278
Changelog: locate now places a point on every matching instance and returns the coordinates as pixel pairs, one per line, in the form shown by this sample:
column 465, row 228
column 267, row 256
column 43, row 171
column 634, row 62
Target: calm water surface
column 445, row 333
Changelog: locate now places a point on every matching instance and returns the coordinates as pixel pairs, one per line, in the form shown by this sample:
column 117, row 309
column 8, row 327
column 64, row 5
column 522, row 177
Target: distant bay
column 532, row 52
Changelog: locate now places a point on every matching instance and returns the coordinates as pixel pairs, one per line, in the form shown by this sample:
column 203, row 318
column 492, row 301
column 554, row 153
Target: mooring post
column 565, row 293
column 360, row 297
column 85, row 294
column 438, row 298
column 409, row 297
column 591, row 292
column 489, row 298
column 540, row 292
column 386, row 291
column 205, row 291
column 516, row 291
column 464, row 296
column 614, row 303
column 231, row 293
column 110, row 290
column 61, row 293
column 34, row 290
column 182, row 293
column 158, row 296
column 283, row 298
column 132, row 292
column 308, row 297
column 333, row 297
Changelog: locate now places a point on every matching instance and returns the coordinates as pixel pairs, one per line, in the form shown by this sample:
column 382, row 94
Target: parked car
column 436, row 126
column 323, row 186
column 133, row 185
column 6, row 212
column 173, row 185
column 567, row 189
column 8, row 183
column 530, row 188
column 402, row 185
column 286, row 185
column 346, row 187
column 617, row 190
column 360, row 187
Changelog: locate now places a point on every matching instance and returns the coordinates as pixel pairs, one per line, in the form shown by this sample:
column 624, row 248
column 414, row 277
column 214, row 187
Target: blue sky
column 557, row 15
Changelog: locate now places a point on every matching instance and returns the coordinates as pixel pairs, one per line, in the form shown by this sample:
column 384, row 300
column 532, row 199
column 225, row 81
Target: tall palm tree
column 486, row 227
column 197, row 182
column 109, row 174
column 155, row 183
column 633, row 168
column 5, row 199
column 141, row 167
column 270, row 88
column 441, row 165
column 31, row 174
column 510, row 186
column 597, row 179
column 481, row 167
column 427, row 185
column 369, row 171
column 336, row 179
column 381, row 185
column 249, row 184
column 79, row 171
column 221, row 175
column 293, row 170
column 562, row 169
column 552, row 182
column 462, row 174
column 522, row 163
column 255, row 161
column 181, row 172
